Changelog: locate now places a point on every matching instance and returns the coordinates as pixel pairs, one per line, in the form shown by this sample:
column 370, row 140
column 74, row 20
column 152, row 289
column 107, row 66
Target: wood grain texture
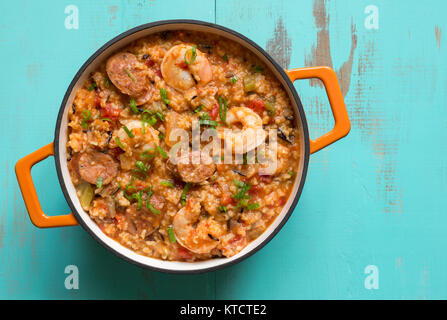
column 376, row 197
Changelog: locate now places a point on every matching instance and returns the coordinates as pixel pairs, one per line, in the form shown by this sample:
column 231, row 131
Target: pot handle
column 26, row 184
column 329, row 78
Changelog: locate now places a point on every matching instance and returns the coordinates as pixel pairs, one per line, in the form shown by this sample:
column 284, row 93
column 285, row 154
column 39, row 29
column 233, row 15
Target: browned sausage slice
column 92, row 165
column 128, row 75
column 195, row 167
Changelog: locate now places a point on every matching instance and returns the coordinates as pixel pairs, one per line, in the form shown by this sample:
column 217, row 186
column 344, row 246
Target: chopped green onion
column 139, row 197
column 198, row 109
column 223, row 108
column 191, row 52
column 141, row 166
column 171, row 234
column 151, row 207
column 233, row 80
column 119, row 143
column 148, row 154
column 204, row 116
column 129, row 133
column 131, row 76
column 238, row 183
column 253, row 206
column 184, row 192
column 211, row 123
column 106, row 119
column 291, row 173
column 133, row 106
column 164, row 96
column 167, row 184
column 161, row 136
column 160, row 116
column 99, row 182
column 258, row 69
column 222, row 208
column 149, row 119
column 225, row 57
column 93, row 86
column 86, row 115
column 162, row 152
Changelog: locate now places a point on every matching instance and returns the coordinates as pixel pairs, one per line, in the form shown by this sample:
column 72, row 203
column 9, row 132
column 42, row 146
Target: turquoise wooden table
column 372, row 219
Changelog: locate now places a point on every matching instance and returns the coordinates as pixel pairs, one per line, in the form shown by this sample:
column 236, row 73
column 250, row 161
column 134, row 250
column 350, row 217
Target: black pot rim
column 193, row 22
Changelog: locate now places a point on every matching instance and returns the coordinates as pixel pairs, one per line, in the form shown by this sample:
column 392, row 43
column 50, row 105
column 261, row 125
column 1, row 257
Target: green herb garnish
column 93, row 86
column 223, row 108
column 184, row 192
column 160, row 116
column 131, row 76
column 225, row 57
column 253, row 206
column 106, row 119
column 198, row 109
column 133, row 106
column 242, row 195
column 222, row 208
column 139, row 197
column 99, row 182
column 119, row 143
column 164, row 96
column 171, row 234
column 142, row 167
column 151, row 207
column 233, row 80
column 167, row 184
column 191, row 55
column 86, row 115
column 129, row 133
column 148, row 154
column 162, row 152
column 211, row 123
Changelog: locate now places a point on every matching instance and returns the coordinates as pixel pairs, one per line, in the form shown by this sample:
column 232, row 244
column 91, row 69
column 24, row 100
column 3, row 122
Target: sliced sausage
column 94, row 164
column 129, row 75
column 190, row 171
column 141, row 220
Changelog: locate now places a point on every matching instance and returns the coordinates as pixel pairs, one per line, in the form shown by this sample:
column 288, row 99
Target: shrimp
column 182, row 76
column 199, row 235
column 249, row 137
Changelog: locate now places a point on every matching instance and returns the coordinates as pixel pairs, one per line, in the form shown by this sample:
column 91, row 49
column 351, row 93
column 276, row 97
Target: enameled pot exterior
column 58, row 149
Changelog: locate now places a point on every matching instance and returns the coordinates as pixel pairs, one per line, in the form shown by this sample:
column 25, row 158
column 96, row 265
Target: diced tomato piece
column 227, row 199
column 119, row 219
column 214, row 111
column 254, row 191
column 256, row 105
column 111, row 112
column 184, row 253
column 266, row 179
column 182, row 65
column 150, row 63
column 158, row 73
column 237, row 239
column 97, row 100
